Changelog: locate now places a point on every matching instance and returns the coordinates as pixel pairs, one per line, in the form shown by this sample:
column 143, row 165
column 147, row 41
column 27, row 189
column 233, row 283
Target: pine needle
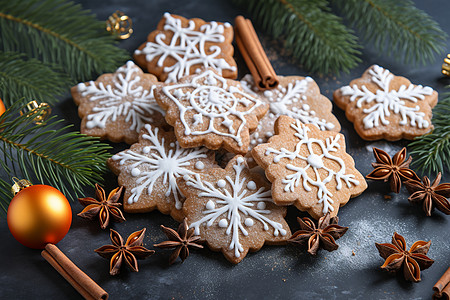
column 49, row 154
column 29, row 79
column 316, row 37
column 431, row 152
column 59, row 32
column 395, row 27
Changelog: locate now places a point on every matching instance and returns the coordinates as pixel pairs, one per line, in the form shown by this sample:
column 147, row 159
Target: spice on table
column 87, row 287
column 130, row 251
column 394, row 170
column 442, row 287
column 410, row 262
column 430, row 194
column 104, row 208
column 324, row 235
column 181, row 240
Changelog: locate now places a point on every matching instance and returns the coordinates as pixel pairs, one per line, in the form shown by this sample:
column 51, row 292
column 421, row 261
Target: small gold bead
column 120, row 25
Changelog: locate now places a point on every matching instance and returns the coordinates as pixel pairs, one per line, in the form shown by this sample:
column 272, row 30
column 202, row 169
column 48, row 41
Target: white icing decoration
column 221, row 183
column 314, row 161
column 199, row 165
column 223, row 223
column 168, row 164
column 210, row 205
column 231, row 204
column 387, row 101
column 124, row 97
column 249, row 222
column 187, row 47
column 261, row 205
column 251, row 185
column 213, row 102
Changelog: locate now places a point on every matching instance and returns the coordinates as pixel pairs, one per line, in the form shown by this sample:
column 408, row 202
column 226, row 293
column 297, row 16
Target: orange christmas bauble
column 2, row 107
column 38, row 215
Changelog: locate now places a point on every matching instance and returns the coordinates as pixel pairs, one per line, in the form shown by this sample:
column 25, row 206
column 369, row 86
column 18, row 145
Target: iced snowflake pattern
column 125, row 97
column 211, row 98
column 387, row 101
column 187, row 47
column 157, row 160
column 244, row 200
column 314, row 161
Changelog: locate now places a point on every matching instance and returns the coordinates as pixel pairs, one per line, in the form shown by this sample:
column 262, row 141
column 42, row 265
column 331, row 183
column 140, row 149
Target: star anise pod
column 324, row 235
column 130, row 251
column 412, row 260
column 181, row 240
column 430, row 194
column 102, row 206
column 395, row 170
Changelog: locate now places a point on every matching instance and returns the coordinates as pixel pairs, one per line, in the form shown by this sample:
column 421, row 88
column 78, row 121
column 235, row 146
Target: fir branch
column 29, row 79
column 431, row 152
column 316, row 37
column 396, row 27
column 49, row 153
column 59, row 32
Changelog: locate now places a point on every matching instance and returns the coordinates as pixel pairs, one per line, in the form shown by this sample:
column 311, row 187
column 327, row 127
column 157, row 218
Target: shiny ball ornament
column 38, row 215
column 2, row 107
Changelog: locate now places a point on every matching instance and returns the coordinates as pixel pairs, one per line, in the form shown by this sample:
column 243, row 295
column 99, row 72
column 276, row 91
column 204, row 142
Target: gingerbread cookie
column 232, row 210
column 309, row 168
column 384, row 106
column 149, row 169
column 116, row 106
column 180, row 47
column 207, row 109
column 297, row 97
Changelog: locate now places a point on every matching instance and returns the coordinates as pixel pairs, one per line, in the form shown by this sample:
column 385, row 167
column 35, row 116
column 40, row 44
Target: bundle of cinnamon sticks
column 254, row 55
column 87, row 287
column 442, row 287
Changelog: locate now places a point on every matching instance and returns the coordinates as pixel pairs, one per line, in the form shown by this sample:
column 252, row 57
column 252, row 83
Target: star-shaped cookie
column 116, row 106
column 180, row 46
column 384, row 106
column 309, row 168
column 207, row 109
column 232, row 210
column 149, row 169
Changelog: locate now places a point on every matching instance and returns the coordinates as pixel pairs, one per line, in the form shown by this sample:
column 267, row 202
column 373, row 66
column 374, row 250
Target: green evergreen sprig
column 29, row 79
column 321, row 42
column 431, row 152
column 59, row 32
column 316, row 37
column 49, row 154
column 396, row 28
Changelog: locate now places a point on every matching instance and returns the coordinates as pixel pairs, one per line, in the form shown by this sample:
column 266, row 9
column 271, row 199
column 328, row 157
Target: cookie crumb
column 353, row 253
column 387, row 197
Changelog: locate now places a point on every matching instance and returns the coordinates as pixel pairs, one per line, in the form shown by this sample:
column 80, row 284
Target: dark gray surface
column 273, row 272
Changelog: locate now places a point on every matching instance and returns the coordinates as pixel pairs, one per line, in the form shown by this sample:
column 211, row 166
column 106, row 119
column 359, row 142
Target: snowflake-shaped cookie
column 116, row 106
column 309, row 168
column 296, row 97
column 149, row 169
column 232, row 209
column 384, row 106
column 179, row 47
column 207, row 109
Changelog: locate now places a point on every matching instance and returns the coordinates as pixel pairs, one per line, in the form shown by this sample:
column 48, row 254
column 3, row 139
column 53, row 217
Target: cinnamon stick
column 254, row 55
column 87, row 288
column 442, row 287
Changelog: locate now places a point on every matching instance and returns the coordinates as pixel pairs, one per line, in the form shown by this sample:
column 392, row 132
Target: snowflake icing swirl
column 387, row 101
column 315, row 162
column 244, row 200
column 157, row 161
column 210, row 96
column 187, row 47
column 125, row 97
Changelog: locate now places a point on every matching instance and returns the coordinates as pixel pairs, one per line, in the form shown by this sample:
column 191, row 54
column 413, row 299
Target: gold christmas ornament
column 2, row 107
column 38, row 214
column 39, row 112
column 446, row 66
column 120, row 25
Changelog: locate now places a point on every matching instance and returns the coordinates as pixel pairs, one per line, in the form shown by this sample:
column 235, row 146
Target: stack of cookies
column 189, row 107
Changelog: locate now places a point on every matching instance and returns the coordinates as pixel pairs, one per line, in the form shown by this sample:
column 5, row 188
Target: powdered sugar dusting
column 389, row 148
